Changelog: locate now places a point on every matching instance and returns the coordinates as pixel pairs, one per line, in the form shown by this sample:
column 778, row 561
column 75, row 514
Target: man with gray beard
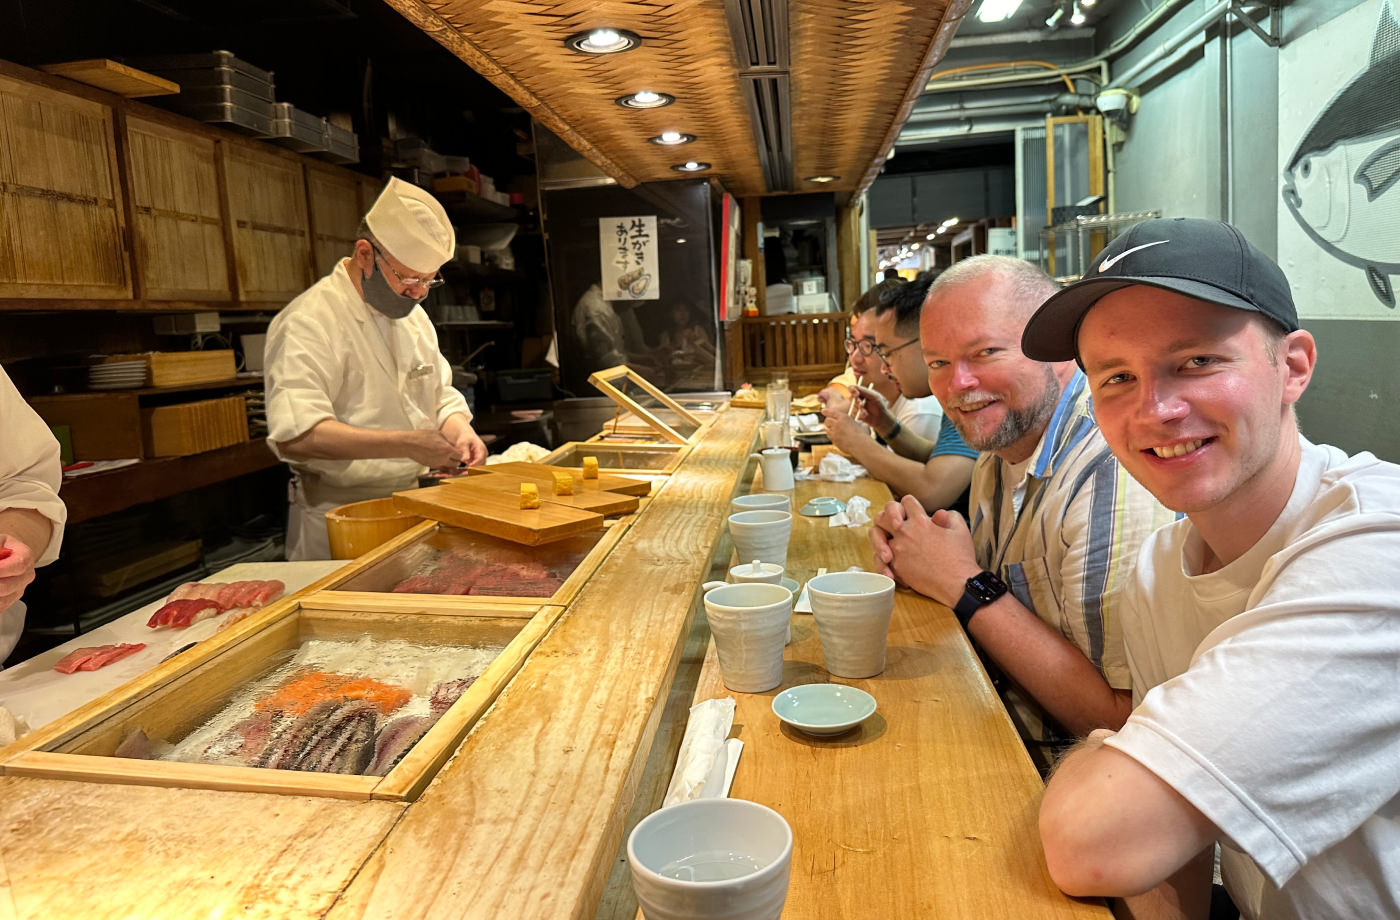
column 1056, row 523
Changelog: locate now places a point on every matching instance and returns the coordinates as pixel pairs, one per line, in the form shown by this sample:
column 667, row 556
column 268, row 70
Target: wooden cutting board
column 585, row 498
column 543, row 473
column 498, row 514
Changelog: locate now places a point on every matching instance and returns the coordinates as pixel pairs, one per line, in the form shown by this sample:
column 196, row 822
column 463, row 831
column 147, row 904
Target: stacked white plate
column 117, row 375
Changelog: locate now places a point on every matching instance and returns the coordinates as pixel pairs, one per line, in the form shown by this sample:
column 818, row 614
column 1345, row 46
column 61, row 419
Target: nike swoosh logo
column 1109, row 263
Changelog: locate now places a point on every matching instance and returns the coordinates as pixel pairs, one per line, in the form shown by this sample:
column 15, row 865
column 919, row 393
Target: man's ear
column 1298, row 355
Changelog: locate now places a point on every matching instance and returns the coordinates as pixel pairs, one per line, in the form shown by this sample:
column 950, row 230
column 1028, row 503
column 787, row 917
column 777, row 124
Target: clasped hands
column 931, row 554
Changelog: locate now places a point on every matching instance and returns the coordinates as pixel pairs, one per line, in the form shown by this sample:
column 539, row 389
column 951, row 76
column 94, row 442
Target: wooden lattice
column 856, row 68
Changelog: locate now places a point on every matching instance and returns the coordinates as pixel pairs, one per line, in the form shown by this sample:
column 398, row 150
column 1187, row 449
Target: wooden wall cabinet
column 333, row 196
column 266, row 206
column 61, row 214
column 177, row 215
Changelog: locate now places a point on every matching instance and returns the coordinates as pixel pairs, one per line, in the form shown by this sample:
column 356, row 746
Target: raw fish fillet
column 181, row 613
column 395, row 739
column 334, row 736
column 269, row 592
column 90, row 659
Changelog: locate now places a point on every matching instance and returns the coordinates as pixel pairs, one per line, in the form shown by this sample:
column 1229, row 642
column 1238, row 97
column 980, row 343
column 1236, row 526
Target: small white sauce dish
column 823, row 709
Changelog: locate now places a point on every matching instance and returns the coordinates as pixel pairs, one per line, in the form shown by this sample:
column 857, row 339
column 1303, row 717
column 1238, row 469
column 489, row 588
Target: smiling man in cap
column 1263, row 630
column 360, row 401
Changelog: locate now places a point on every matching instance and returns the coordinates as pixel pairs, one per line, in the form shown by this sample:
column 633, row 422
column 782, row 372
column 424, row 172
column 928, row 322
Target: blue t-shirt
column 950, row 442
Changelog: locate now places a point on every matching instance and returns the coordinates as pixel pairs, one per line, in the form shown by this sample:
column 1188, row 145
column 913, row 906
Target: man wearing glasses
column 918, row 453
column 1038, row 577
column 360, row 401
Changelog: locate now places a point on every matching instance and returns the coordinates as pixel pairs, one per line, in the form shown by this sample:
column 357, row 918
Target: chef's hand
column 471, row 447
column 932, row 555
column 430, row 448
column 16, row 570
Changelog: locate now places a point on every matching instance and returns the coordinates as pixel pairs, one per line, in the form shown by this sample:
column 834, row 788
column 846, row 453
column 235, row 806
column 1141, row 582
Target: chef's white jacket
column 30, row 474
column 331, row 356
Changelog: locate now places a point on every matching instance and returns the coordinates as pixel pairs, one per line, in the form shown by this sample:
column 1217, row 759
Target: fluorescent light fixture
column 997, row 10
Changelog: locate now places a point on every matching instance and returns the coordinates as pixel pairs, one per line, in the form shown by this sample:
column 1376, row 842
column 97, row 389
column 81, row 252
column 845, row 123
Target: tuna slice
column 395, row 740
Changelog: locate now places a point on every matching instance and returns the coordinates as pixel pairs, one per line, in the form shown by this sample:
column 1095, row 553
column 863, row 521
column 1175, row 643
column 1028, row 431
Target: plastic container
column 359, row 527
column 525, row 385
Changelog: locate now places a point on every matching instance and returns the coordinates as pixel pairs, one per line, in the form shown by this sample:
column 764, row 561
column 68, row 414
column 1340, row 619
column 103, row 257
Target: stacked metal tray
column 219, row 88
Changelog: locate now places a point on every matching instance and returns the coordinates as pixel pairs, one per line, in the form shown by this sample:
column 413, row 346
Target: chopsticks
column 854, row 409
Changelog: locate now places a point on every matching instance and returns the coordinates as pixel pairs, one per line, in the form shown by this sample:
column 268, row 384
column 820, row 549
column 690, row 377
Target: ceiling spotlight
column 671, row 138
column 821, row 179
column 940, row 229
column 681, row 240
column 997, row 10
column 1077, row 18
column 949, row 222
column 604, row 41
column 930, row 236
column 645, row 99
column 914, row 247
column 1087, row 3
column 1053, row 20
column 690, row 166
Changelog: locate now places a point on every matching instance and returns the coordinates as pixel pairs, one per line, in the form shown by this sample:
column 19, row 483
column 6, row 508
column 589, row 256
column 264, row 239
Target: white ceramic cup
column 749, row 623
column 711, row 859
column 772, row 501
column 852, row 611
column 776, row 463
column 761, row 535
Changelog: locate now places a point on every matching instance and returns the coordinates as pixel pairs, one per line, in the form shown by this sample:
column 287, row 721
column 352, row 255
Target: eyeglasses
column 885, row 355
column 430, row 283
column 864, row 346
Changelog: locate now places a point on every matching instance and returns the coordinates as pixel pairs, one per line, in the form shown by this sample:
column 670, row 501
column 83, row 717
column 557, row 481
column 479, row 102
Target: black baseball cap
column 1205, row 259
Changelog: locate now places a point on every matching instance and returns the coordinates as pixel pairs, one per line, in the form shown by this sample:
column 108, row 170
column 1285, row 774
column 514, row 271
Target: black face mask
column 382, row 297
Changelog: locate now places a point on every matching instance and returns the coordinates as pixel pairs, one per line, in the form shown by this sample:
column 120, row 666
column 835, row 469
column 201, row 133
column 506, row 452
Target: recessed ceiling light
column 671, row 138
column 1077, row 19
column 691, row 166
column 681, row 240
column 604, row 41
column 914, row 247
column 645, row 99
column 931, row 236
column 822, row 179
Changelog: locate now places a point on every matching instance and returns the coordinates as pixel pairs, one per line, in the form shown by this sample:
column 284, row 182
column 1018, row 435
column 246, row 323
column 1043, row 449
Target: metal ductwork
column 1046, row 105
column 760, row 34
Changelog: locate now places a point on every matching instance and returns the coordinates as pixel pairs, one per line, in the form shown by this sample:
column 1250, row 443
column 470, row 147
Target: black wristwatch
column 982, row 589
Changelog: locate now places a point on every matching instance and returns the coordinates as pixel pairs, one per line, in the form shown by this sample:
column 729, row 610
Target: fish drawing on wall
column 1342, row 182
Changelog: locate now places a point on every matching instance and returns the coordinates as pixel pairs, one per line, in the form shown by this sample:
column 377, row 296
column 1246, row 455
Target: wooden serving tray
column 182, row 693
column 498, row 514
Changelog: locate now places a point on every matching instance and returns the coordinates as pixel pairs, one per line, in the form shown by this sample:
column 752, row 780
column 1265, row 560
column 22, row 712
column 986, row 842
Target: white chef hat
column 412, row 226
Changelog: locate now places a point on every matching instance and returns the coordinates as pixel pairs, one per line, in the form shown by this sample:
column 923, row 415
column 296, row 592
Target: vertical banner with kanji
column 627, row 246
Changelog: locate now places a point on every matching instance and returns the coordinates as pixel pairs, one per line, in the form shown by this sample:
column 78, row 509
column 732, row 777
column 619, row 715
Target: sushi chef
column 360, row 401
column 31, row 513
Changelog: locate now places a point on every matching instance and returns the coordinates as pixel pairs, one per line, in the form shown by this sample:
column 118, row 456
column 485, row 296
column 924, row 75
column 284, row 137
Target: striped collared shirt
column 1064, row 537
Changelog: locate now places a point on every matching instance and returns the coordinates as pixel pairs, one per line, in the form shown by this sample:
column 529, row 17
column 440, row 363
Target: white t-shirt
column 921, row 416
column 1270, row 692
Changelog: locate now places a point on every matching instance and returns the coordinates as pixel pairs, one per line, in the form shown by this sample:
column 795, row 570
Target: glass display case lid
column 636, row 395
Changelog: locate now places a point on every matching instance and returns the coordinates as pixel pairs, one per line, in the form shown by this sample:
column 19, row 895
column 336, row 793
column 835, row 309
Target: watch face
column 986, row 586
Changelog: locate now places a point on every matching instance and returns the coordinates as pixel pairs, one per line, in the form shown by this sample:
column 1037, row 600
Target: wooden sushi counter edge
column 524, row 820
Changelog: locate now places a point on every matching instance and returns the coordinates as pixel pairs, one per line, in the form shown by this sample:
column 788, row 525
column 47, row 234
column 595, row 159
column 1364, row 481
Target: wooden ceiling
column 853, row 68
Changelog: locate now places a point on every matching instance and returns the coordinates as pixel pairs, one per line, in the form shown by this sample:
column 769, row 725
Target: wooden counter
column 525, row 821
column 927, row 809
